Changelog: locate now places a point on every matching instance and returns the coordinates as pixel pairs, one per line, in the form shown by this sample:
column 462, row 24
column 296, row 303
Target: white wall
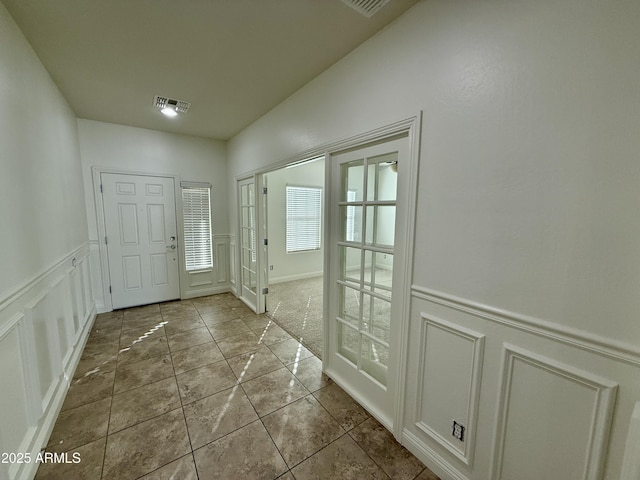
column 290, row 266
column 128, row 149
column 46, row 306
column 527, row 221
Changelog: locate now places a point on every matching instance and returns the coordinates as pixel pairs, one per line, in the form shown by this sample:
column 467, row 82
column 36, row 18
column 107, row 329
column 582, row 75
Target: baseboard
column 206, row 291
column 292, row 278
column 430, row 458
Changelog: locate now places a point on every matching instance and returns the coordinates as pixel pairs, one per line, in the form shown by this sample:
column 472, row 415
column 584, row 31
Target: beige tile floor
column 205, row 389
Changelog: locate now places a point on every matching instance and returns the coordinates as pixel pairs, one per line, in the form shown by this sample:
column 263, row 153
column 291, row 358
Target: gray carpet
column 297, row 308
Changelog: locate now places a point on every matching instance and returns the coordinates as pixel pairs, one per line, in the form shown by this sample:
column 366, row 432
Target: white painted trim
column 631, row 461
column 391, row 129
column 606, row 392
column 473, row 401
column 206, row 291
column 40, row 437
column 54, row 346
column 411, row 127
column 292, row 278
column 221, row 249
column 429, row 457
column 96, row 172
column 589, row 342
column 13, row 295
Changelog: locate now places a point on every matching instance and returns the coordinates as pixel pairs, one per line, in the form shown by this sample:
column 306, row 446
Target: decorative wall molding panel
column 540, row 406
column 451, row 394
column 549, row 410
column 97, row 281
column 43, row 327
column 210, row 281
column 233, row 259
column 569, row 336
column 631, row 462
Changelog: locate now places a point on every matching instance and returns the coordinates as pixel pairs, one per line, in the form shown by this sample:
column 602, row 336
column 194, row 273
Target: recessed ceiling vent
column 366, row 7
column 161, row 102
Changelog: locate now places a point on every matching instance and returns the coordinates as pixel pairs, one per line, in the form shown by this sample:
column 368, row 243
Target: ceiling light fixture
column 368, row 8
column 170, row 109
column 169, row 106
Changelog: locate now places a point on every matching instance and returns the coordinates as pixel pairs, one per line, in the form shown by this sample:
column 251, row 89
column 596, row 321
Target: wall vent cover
column 366, row 7
column 161, row 102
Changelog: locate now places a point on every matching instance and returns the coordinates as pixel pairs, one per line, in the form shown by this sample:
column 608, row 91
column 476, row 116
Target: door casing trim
column 96, row 172
column 411, row 127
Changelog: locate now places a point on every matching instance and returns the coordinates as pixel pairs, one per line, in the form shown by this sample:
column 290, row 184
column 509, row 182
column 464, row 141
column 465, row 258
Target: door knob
column 172, row 247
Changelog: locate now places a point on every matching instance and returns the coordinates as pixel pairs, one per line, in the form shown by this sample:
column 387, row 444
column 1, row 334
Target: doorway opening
column 295, row 228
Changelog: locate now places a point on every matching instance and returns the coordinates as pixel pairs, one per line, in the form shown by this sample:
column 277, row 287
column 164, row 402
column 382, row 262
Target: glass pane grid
column 367, row 210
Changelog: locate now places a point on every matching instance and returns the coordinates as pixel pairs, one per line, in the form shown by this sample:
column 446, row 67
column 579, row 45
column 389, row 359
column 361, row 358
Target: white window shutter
column 196, row 205
column 304, row 218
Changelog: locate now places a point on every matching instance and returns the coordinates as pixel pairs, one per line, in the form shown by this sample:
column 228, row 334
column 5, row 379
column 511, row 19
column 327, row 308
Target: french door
column 253, row 246
column 141, row 237
column 248, row 242
column 368, row 216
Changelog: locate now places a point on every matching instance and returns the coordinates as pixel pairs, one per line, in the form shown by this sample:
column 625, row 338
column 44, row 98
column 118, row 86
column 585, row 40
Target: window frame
column 315, row 217
column 202, row 259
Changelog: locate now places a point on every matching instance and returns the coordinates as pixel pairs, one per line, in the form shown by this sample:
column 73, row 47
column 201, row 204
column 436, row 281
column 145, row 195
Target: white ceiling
column 233, row 60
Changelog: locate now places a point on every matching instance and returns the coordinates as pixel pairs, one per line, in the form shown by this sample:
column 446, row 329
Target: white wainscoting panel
column 44, row 324
column 445, row 395
column 553, row 421
column 548, row 403
column 232, row 263
column 222, row 253
column 47, row 347
column 631, row 463
column 97, row 278
column 15, row 417
column 210, row 281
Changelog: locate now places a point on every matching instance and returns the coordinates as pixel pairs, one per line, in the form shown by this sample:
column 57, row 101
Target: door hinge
column 101, row 189
column 265, row 291
column 265, row 242
column 264, row 190
column 105, row 240
column 109, row 288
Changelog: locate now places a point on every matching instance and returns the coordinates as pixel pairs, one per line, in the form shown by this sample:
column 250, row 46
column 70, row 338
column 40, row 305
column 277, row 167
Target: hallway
column 205, row 389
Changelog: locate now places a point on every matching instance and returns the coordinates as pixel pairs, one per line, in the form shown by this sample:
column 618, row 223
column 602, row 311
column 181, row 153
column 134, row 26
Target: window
column 304, row 218
column 196, row 212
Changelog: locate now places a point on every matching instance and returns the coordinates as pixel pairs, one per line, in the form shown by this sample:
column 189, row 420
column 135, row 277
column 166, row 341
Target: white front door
column 141, row 236
column 368, row 204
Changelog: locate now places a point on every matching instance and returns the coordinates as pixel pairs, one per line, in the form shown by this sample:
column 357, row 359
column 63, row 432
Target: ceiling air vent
column 161, row 102
column 366, row 7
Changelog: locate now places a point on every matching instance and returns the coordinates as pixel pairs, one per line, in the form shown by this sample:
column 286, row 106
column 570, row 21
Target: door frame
column 411, row 127
column 96, row 172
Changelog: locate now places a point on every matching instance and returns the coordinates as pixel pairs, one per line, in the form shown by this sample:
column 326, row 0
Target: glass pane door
column 365, row 293
column 248, row 243
column 365, row 276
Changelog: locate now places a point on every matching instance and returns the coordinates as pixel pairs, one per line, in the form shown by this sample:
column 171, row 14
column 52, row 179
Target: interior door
column 363, row 287
column 248, row 242
column 141, row 237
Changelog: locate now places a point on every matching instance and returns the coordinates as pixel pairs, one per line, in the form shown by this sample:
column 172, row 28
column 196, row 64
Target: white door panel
column 140, row 221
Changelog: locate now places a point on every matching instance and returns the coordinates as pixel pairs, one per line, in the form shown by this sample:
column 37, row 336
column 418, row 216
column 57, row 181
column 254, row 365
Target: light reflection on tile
column 206, row 407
